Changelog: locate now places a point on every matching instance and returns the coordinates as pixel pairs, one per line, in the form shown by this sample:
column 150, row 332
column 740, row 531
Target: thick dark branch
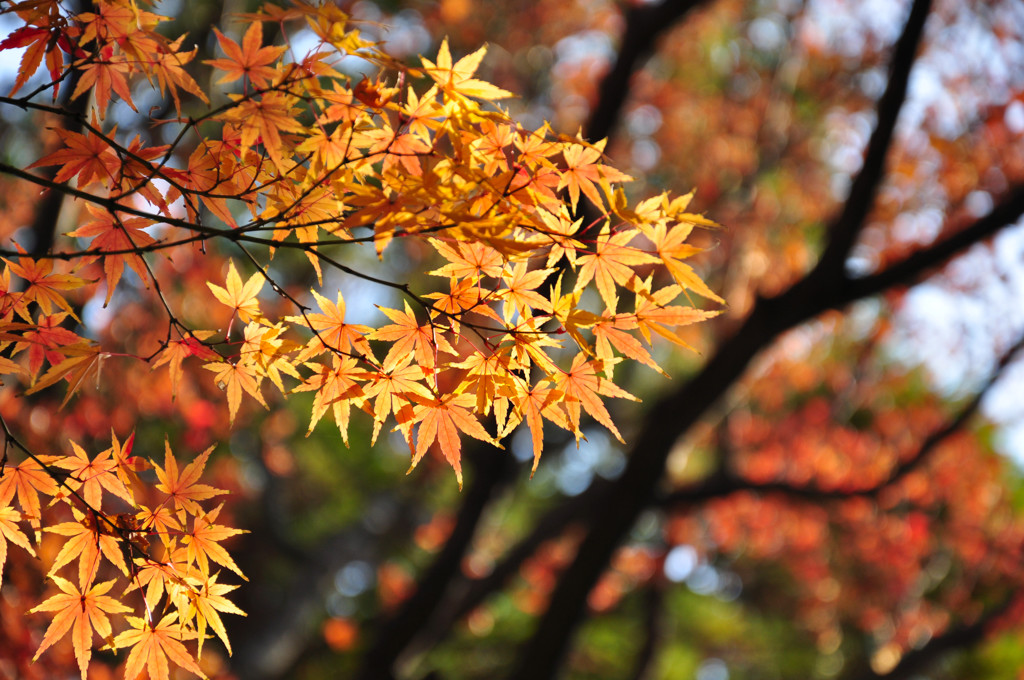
column 917, row 661
column 724, row 483
column 644, row 25
column 470, row 594
column 544, row 652
column 394, row 634
column 846, row 227
column 911, row 269
column 653, row 601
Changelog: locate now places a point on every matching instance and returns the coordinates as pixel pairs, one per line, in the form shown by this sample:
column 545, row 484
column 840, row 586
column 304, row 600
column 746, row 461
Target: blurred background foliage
column 764, row 107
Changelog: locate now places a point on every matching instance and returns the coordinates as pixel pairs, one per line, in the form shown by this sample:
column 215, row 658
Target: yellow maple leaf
column 458, row 78
column 239, row 297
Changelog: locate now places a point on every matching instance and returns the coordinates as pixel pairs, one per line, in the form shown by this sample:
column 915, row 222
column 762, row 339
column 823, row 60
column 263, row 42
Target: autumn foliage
column 533, row 309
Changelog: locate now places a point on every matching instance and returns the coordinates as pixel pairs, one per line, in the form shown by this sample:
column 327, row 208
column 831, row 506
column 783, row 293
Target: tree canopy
column 262, row 262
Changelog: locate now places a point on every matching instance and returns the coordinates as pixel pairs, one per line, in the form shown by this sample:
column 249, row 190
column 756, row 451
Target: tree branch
column 918, row 660
column 395, row 633
column 544, row 652
column 468, row 595
column 644, row 25
column 724, row 483
column 1007, row 212
column 847, row 226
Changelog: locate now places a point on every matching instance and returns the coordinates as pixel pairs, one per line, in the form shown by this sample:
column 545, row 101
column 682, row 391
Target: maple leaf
column 87, row 541
column 264, row 346
column 613, row 261
column 468, row 260
column 584, row 387
column 442, row 419
column 44, row 285
column 264, row 119
column 521, row 293
column 91, row 477
column 489, row 377
column 159, row 520
column 177, row 351
column 86, row 155
column 168, row 65
column 399, row 149
column 249, row 60
column 653, row 313
column 565, row 308
column 81, row 612
column 82, row 361
column 211, row 173
column 411, row 340
column 331, row 333
column 534, row 404
column 458, row 78
column 118, row 235
column 241, row 298
column 182, row 487
column 529, row 343
column 235, row 377
column 559, row 230
column 583, row 169
column 672, row 249
column 206, row 600
column 11, row 301
column 104, row 76
column 391, row 391
column 613, row 332
column 153, row 644
column 463, row 297
column 44, row 340
column 337, row 389
column 9, row 531
column 203, row 542
column 40, row 41
column 27, row 480
column 167, row 576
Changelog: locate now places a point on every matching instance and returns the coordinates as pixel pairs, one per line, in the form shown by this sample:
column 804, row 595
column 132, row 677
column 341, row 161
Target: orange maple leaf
column 182, row 488
column 534, row 404
column 86, row 155
column 411, row 340
column 9, row 531
column 613, row 261
column 250, row 60
column 81, row 612
column 87, row 541
column 584, row 387
column 44, row 285
column 122, row 237
column 442, row 419
column 331, row 331
column 104, row 76
column 206, row 601
column 392, row 391
column 177, row 351
column 80, row 361
column 27, row 480
column 583, row 171
column 235, row 377
column 91, row 477
column 203, row 542
column 153, row 644
column 337, row 389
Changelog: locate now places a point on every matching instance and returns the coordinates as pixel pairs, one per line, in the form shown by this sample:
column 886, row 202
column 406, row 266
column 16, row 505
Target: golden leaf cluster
column 532, row 306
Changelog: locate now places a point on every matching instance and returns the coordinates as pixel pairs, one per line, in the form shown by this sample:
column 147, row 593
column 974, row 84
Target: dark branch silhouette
column 544, row 652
